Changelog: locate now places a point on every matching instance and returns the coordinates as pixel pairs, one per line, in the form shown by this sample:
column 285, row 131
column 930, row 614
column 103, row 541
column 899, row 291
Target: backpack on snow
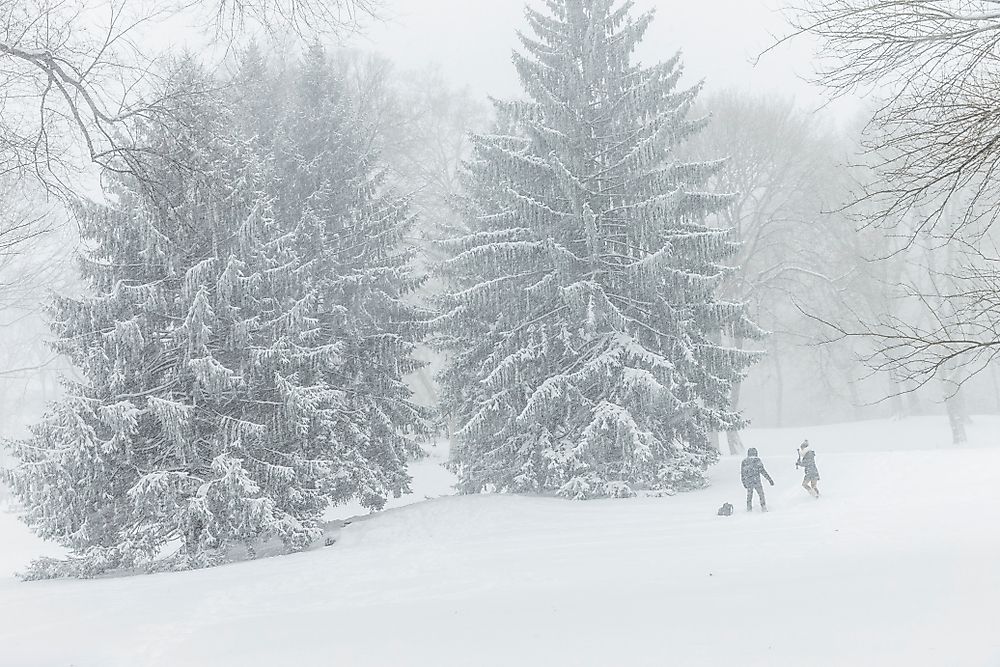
column 726, row 509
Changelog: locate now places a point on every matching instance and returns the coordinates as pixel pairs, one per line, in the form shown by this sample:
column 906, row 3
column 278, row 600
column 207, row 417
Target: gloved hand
column 772, row 483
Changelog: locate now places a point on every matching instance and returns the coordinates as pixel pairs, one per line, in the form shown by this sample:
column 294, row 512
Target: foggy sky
column 471, row 42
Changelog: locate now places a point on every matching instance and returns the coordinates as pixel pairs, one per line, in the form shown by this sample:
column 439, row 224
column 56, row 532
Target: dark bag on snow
column 726, row 509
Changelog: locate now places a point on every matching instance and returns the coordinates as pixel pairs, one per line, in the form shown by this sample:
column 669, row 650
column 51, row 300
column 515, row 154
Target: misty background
column 450, row 332
column 436, row 63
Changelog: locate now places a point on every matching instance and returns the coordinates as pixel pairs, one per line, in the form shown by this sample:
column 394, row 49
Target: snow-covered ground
column 895, row 565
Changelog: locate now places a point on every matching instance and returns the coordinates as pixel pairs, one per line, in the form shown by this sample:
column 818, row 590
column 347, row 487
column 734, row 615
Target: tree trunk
column 735, row 442
column 779, row 392
column 955, row 407
column 896, row 403
column 733, row 437
column 996, row 387
column 952, row 376
column 852, row 389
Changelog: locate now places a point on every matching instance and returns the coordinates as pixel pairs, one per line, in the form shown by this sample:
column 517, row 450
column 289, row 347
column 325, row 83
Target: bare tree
column 300, row 17
column 75, row 74
column 935, row 141
column 776, row 162
column 922, row 322
column 420, row 123
column 934, row 63
column 35, row 250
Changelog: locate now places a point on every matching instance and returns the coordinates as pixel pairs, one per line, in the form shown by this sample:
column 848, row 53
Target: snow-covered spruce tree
column 581, row 317
column 348, row 229
column 244, row 344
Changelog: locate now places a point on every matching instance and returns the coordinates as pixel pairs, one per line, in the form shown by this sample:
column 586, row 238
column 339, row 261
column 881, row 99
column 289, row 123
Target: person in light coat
column 807, row 461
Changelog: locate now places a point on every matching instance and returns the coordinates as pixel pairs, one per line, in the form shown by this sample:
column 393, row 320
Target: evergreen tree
column 581, row 315
column 245, row 341
column 349, row 233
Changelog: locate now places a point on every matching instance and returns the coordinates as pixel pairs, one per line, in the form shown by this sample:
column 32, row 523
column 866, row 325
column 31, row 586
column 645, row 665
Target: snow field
column 895, row 565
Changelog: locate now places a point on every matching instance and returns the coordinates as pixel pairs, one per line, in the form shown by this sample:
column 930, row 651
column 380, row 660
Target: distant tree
column 934, row 61
column 778, row 165
column 581, row 315
column 933, row 140
column 36, row 245
column 27, row 367
column 420, row 123
column 76, row 75
column 243, row 349
column 908, row 301
column 442, row 120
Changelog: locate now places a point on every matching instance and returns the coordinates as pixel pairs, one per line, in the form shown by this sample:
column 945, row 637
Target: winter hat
column 805, row 444
column 752, row 451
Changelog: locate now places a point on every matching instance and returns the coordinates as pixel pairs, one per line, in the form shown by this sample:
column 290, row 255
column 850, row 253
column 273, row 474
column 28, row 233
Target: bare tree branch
column 936, row 133
column 75, row 73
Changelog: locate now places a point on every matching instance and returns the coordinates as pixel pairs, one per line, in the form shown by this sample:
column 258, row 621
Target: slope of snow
column 895, row 565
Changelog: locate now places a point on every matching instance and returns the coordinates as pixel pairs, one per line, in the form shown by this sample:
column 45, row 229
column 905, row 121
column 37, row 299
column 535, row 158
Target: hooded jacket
column 752, row 469
column 808, row 461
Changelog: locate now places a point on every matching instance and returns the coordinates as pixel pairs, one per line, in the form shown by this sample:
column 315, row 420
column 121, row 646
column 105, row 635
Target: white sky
column 471, row 41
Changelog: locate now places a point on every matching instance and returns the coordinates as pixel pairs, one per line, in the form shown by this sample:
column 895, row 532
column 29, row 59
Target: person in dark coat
column 751, row 471
column 807, row 460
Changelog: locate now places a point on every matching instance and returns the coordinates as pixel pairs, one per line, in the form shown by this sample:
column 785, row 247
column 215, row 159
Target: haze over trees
column 78, row 75
column 932, row 143
column 607, row 276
